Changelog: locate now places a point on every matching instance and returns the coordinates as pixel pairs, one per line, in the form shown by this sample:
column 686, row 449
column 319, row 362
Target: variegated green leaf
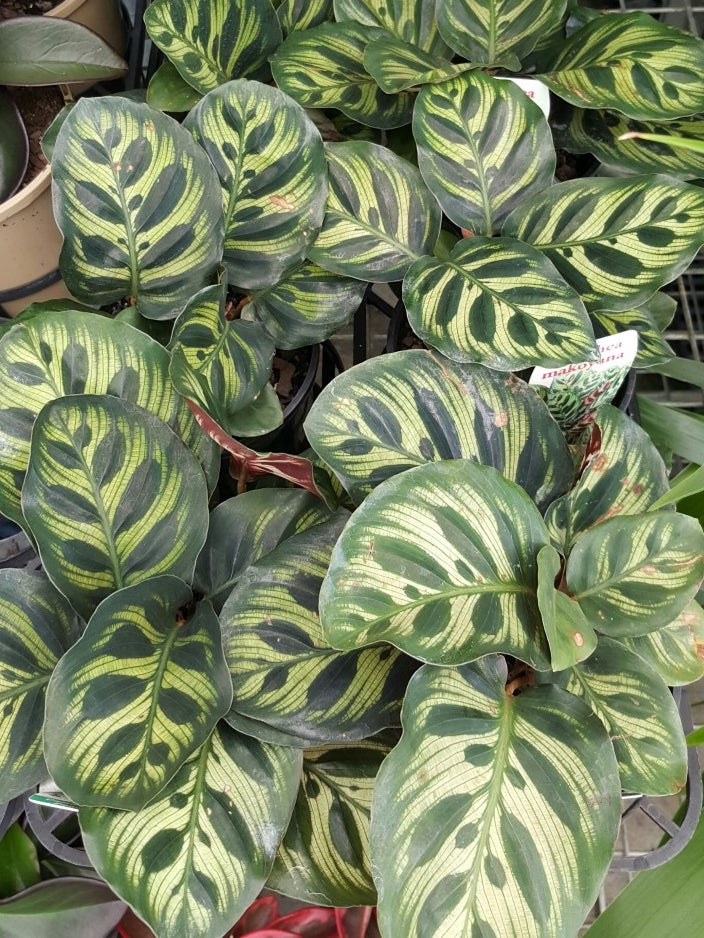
column 380, row 217
column 138, row 203
column 616, row 241
column 495, row 814
column 497, row 32
column 633, row 64
column 396, row 65
column 137, row 695
column 37, row 626
column 323, row 67
column 632, row 574
column 112, row 497
column 307, row 306
column 638, row 710
column 570, row 636
column 324, row 856
column 652, row 348
column 676, row 650
column 269, row 157
column 247, row 527
column 499, row 302
column 261, row 416
column 483, row 146
column 622, row 474
column 408, row 408
column 441, row 562
column 193, row 859
column 303, row 14
column 413, row 21
column 287, row 679
column 220, row 364
column 210, row 43
column 81, row 353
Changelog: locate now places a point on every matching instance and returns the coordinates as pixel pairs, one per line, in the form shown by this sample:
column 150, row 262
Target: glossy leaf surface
column 136, row 696
column 396, row 65
column 303, row 14
column 413, row 21
column 676, row 650
column 65, row 907
column 168, row 91
column 112, row 496
column 652, row 347
column 14, row 147
column 483, row 816
column 441, row 562
column 570, row 636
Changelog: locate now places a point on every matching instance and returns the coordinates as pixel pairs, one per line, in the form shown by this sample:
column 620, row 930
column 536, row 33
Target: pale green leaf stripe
column 396, row 65
column 652, row 348
column 138, row 204
column 193, row 860
column 323, row 67
column 413, row 21
column 632, row 574
column 499, row 302
column 137, row 695
column 622, row 474
column 112, row 496
column 270, row 161
column 633, row 64
column 676, row 650
column 324, row 856
column 570, row 637
column 284, row 673
column 210, row 43
column 497, row 32
column 615, row 241
column 440, row 561
column 37, row 626
column 380, row 217
column 412, row 407
column 303, row 14
column 638, row 710
column 495, row 815
column 81, row 353
column 483, row 147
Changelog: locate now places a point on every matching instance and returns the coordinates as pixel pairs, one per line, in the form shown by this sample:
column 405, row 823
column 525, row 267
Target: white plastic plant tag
column 535, row 90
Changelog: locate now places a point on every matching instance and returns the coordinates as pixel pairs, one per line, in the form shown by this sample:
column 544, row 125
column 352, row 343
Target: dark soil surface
column 9, row 9
column 38, row 107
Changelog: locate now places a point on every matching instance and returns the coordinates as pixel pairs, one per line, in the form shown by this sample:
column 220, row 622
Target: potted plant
column 515, row 604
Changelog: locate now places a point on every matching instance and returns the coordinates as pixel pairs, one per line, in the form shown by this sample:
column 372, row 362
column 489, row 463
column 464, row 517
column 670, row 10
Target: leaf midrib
column 154, row 706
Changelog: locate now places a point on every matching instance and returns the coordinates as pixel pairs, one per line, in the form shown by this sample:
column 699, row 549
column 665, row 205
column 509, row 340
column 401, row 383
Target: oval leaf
column 269, row 157
column 494, row 814
column 138, row 204
column 675, row 651
column 652, row 348
column 570, row 637
column 616, row 241
column 411, row 20
column 483, row 146
column 167, row 91
column 396, row 65
column 441, row 562
column 112, row 496
column 303, row 14
column 193, row 860
column 77, row 906
column 412, row 407
column 499, row 302
column 136, row 696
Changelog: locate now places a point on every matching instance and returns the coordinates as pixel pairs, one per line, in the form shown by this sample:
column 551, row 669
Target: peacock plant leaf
column 270, row 161
column 323, row 67
column 638, row 710
column 324, row 856
column 633, row 64
column 676, row 650
column 413, row 21
column 412, row 407
column 193, row 859
column 308, row 306
column 439, row 561
column 633, row 573
column 112, row 496
column 81, row 353
column 37, row 626
column 483, row 146
column 498, row 33
column 652, row 347
column 570, row 636
column 396, row 65
column 136, row 696
column 499, row 302
column 615, row 241
column 483, row 816
column 621, row 474
column 211, row 43
column 380, row 217
column 303, row 14
column 289, row 685
column 222, row 364
column 138, row 204
column 168, row 91
column 246, row 528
